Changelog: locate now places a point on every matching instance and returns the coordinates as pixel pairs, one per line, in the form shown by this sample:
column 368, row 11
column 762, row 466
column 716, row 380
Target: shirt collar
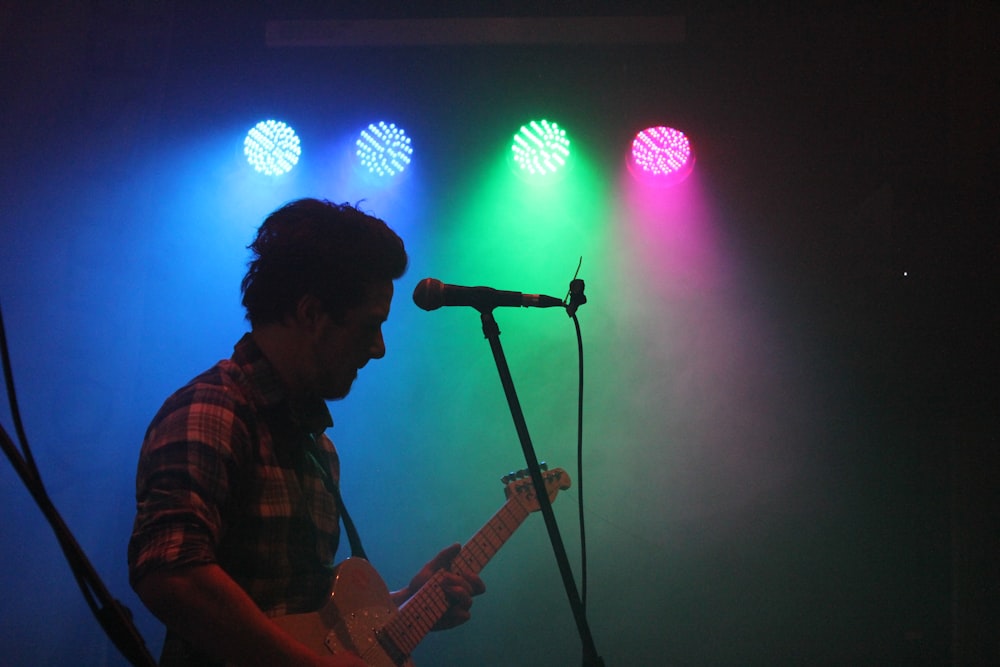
column 311, row 413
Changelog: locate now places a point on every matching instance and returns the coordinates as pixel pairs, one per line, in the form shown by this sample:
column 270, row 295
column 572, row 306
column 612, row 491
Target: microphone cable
column 579, row 462
column 574, row 299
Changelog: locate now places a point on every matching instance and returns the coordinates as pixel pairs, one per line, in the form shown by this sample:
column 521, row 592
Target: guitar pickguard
column 358, row 607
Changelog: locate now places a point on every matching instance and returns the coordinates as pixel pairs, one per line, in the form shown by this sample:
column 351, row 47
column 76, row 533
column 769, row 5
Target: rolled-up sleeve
column 183, row 481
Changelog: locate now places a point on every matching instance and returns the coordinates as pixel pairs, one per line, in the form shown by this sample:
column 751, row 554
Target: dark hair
column 334, row 252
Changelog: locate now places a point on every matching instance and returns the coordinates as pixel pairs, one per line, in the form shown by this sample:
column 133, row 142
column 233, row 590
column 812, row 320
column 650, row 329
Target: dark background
column 851, row 150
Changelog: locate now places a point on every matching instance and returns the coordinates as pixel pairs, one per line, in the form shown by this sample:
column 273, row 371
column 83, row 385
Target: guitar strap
column 357, row 550
column 353, row 538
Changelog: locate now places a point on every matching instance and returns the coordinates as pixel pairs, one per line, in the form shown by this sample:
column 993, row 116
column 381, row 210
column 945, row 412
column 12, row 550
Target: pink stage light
column 661, row 156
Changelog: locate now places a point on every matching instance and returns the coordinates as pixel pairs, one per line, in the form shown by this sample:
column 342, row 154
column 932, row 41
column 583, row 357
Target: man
column 237, row 502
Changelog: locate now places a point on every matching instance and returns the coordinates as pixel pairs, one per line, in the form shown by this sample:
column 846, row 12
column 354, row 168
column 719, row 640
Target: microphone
column 431, row 294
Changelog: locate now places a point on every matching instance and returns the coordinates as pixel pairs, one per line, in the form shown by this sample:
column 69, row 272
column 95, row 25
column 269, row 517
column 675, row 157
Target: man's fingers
column 447, row 555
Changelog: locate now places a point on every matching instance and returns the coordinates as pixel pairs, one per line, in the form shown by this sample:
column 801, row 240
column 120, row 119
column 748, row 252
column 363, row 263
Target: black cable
column 579, row 464
column 574, row 299
column 29, row 469
column 113, row 617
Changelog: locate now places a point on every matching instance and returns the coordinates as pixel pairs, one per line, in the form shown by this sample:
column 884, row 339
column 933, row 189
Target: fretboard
column 419, row 614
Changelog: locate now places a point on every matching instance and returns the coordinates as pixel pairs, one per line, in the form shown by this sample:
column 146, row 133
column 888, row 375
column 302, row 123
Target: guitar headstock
column 521, row 489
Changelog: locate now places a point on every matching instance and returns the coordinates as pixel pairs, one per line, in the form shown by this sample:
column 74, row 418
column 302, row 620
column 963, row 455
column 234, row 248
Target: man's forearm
column 205, row 606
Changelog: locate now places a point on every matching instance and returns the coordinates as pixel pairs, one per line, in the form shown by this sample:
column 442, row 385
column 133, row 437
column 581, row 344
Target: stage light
column 384, row 149
column 540, row 149
column 661, row 156
column 272, row 147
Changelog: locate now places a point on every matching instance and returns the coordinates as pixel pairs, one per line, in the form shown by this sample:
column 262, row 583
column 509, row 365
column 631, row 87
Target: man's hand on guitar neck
column 459, row 588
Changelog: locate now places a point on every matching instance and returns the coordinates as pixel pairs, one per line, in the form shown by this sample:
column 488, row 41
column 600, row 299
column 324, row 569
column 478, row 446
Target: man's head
column 331, row 251
column 323, row 272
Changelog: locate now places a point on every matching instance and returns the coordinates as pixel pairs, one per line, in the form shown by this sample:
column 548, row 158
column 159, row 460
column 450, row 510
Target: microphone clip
column 576, row 296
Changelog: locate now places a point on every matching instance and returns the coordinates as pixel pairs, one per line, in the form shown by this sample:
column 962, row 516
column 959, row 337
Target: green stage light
column 540, row 149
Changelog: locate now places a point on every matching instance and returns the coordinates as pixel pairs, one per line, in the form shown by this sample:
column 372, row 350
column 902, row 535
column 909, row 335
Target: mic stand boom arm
column 492, row 332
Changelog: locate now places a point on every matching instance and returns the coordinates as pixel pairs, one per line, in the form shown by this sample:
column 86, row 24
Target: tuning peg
column 522, row 473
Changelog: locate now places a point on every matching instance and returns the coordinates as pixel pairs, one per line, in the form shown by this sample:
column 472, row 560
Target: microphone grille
column 429, row 294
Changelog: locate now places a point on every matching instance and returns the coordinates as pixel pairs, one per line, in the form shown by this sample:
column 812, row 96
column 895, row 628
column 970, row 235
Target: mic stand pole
column 492, row 332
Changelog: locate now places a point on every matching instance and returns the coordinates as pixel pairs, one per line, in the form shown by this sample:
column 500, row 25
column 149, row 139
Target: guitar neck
column 422, row 611
column 485, row 544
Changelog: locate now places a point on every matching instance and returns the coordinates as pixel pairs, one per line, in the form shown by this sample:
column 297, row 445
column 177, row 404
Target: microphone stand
column 492, row 332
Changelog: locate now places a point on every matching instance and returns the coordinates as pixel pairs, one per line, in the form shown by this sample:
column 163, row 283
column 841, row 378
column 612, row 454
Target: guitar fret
column 418, row 615
column 475, row 557
column 487, row 542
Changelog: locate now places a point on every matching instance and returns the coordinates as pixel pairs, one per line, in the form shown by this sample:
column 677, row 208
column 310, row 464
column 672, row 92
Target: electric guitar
column 361, row 617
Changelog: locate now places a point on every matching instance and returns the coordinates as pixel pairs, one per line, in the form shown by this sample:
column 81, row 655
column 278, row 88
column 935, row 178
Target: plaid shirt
column 231, row 472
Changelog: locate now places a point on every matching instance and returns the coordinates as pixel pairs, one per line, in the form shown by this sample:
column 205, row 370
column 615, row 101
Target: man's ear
column 308, row 312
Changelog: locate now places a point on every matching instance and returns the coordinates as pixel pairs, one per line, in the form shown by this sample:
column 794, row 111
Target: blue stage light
column 272, row 147
column 384, row 149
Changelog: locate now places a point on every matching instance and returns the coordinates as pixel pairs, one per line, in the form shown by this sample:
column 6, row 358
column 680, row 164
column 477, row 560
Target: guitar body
column 358, row 607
